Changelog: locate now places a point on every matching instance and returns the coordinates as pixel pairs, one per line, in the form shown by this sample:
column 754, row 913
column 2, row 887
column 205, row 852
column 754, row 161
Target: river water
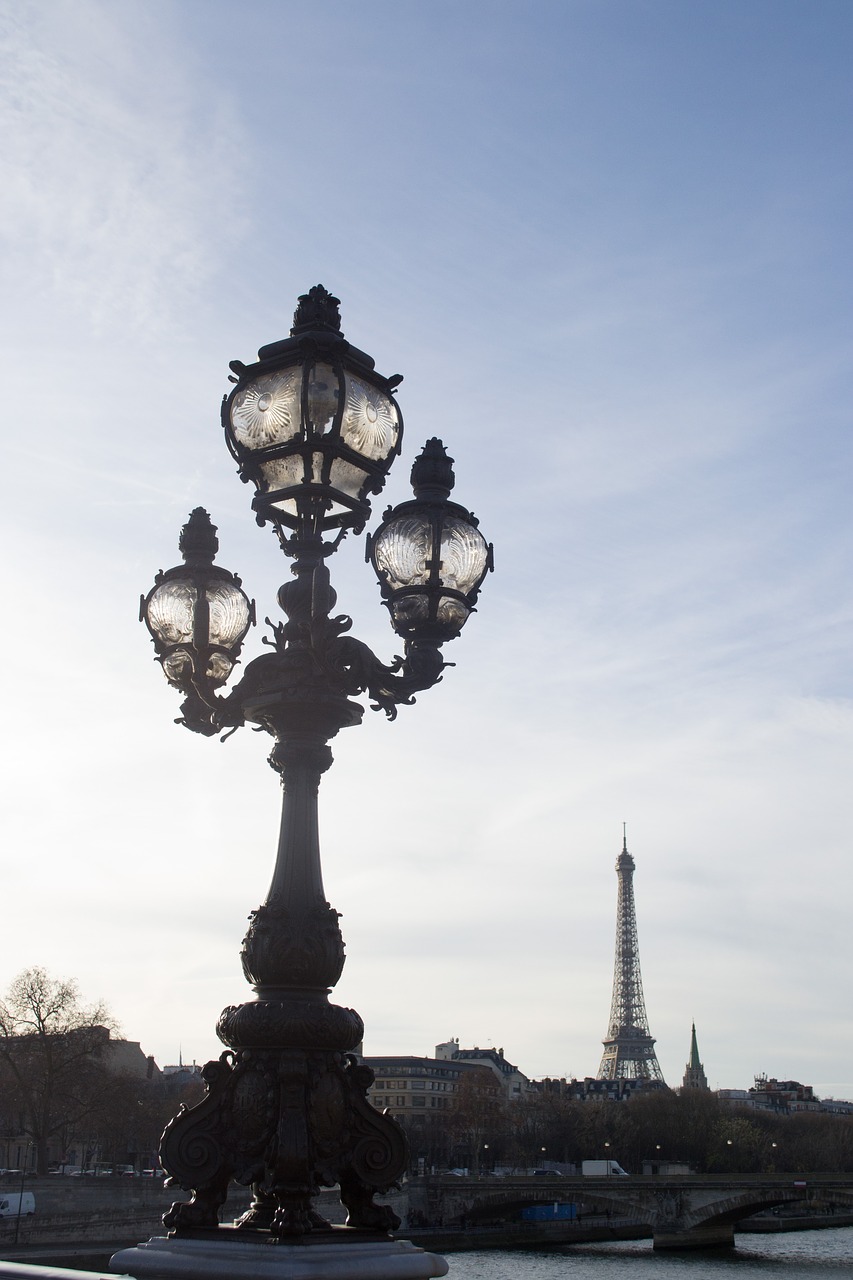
column 793, row 1255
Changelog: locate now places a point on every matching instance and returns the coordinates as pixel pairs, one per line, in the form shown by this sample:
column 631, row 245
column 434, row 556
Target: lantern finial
column 198, row 543
column 317, row 309
column 432, row 472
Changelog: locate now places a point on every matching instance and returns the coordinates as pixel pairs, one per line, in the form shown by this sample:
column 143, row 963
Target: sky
column 608, row 246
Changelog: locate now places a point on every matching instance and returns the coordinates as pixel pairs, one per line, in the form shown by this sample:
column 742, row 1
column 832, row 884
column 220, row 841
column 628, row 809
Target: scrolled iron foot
column 296, row 1218
column 201, row 1211
column 357, row 1198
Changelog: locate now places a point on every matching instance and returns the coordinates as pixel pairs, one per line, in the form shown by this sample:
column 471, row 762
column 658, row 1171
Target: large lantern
column 429, row 554
column 312, row 424
column 197, row 613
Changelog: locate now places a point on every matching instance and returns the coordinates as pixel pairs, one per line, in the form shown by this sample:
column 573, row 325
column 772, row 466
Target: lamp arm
column 325, row 660
column 351, row 666
column 420, row 668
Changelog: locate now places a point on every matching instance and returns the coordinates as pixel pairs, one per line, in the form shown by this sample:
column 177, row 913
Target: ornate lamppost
column 315, row 429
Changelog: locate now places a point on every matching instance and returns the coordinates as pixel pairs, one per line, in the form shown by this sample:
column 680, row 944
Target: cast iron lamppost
column 315, row 429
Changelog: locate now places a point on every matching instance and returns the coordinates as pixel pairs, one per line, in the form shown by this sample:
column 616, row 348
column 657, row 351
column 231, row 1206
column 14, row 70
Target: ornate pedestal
column 234, row 1259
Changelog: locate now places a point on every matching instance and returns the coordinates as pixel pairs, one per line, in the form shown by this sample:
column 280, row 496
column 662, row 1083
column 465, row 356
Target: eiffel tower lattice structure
column 629, row 1050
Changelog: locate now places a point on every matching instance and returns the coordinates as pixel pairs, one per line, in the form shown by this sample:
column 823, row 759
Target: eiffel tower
column 629, row 1050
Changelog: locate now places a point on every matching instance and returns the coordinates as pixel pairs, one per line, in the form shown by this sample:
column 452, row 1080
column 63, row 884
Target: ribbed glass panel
column 281, row 473
column 463, row 555
column 170, row 611
column 408, row 609
column 229, row 614
column 267, row 412
column 323, row 391
column 219, row 668
column 286, row 504
column 370, row 424
column 178, row 667
column 452, row 612
column 347, row 478
column 402, row 549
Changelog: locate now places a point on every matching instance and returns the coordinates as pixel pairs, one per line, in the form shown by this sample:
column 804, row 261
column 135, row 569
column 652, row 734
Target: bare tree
column 479, row 1114
column 53, row 1054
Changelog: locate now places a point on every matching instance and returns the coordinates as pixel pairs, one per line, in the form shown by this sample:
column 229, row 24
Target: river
column 794, row 1255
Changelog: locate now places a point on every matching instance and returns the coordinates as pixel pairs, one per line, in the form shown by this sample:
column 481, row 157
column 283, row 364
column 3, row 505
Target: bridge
column 692, row 1212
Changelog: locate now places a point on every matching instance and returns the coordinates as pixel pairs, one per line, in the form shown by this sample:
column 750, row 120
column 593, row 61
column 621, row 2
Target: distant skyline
column 608, row 246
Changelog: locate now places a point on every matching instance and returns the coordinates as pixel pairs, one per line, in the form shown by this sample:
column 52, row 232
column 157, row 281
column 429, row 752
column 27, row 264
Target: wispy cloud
column 113, row 164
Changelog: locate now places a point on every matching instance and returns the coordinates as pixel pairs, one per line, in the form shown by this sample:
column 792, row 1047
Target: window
column 419, row 1084
column 401, row 1102
column 418, row 1102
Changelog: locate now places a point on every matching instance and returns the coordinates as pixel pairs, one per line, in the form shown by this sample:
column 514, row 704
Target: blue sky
column 607, row 244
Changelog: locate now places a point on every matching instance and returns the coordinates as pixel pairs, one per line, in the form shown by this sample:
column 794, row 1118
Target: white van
column 20, row 1202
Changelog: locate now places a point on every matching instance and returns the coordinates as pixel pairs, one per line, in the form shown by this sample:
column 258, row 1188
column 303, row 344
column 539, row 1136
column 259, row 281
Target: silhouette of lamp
column 314, row 429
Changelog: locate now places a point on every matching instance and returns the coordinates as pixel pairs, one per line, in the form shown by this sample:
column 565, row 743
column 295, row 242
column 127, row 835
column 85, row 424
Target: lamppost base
column 328, row 1257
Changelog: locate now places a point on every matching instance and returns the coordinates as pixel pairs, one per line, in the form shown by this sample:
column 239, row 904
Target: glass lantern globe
column 429, row 555
column 197, row 613
column 312, row 424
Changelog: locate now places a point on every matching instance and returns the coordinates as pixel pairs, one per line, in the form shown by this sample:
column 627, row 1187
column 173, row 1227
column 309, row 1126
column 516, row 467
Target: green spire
column 694, row 1049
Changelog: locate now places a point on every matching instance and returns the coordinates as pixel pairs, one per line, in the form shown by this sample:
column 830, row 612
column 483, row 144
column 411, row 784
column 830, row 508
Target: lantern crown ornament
column 312, row 425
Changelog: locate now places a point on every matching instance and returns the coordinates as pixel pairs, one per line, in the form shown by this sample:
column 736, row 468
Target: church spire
column 694, row 1072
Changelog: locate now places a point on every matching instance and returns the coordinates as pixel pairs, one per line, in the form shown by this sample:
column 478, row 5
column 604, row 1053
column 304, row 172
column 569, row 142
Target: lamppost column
column 293, row 949
column 298, row 877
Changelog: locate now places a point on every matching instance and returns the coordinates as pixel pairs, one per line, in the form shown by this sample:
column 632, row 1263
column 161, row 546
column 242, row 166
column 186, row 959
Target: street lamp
column 314, row 428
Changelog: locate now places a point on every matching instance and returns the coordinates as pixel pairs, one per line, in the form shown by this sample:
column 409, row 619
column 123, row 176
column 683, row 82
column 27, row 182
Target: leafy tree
column 52, row 1058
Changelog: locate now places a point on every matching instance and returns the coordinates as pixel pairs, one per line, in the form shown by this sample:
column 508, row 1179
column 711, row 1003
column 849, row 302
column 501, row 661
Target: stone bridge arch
column 705, row 1217
column 684, row 1212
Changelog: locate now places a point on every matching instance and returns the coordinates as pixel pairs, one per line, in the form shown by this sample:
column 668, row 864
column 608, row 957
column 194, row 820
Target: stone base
column 181, row 1258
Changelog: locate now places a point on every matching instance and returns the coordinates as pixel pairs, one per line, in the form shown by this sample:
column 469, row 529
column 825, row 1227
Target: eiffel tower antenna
column 629, row 1050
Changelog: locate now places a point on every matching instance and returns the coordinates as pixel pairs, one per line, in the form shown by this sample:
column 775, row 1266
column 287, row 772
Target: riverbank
column 525, row 1235
column 762, row 1223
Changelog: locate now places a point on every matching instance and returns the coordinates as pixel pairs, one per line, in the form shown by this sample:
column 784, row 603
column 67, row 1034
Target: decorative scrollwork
column 289, row 1024
column 313, row 659
column 285, row 949
column 194, row 1152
